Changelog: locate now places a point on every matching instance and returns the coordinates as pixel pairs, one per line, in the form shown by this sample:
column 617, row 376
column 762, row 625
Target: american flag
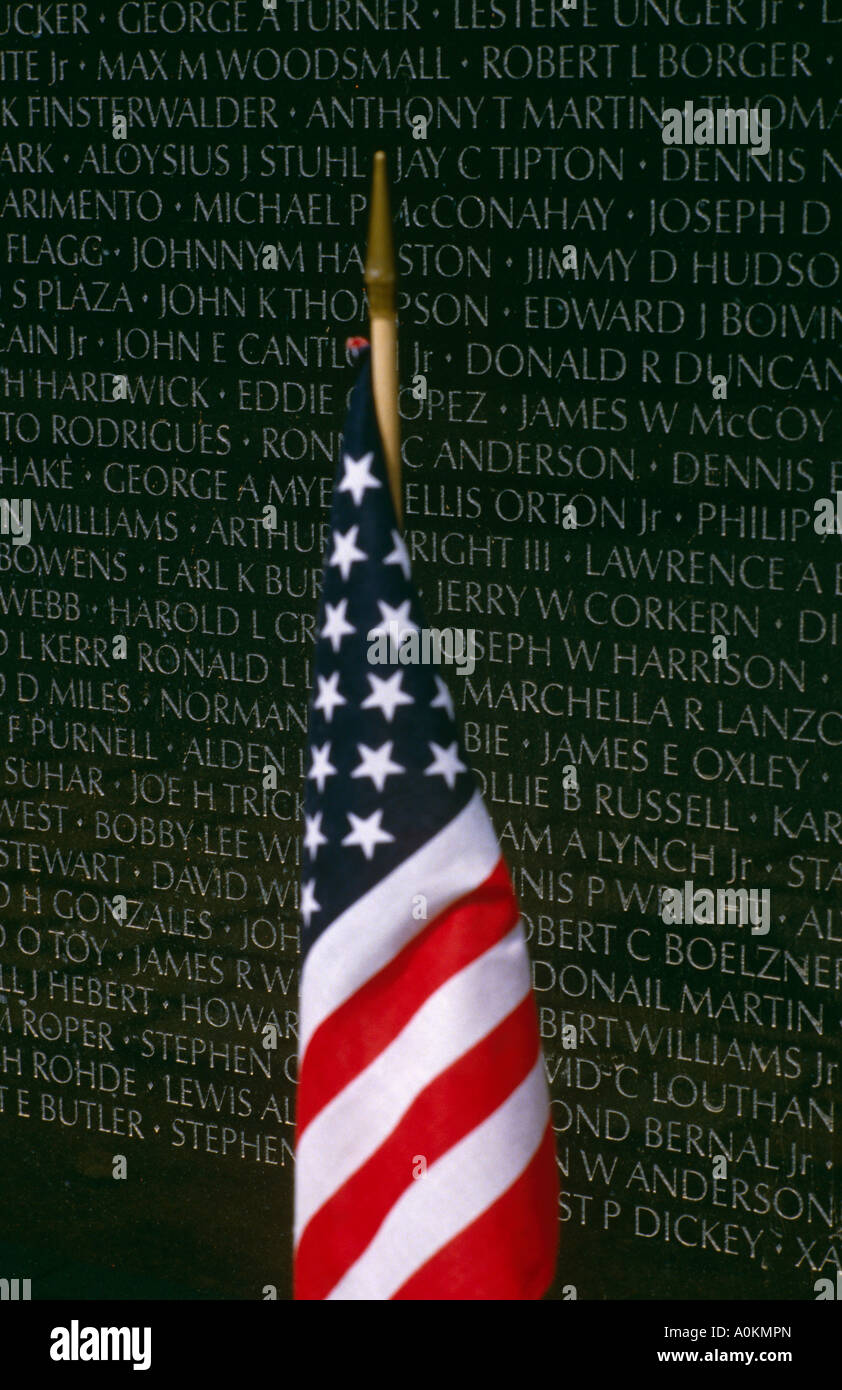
column 425, row 1160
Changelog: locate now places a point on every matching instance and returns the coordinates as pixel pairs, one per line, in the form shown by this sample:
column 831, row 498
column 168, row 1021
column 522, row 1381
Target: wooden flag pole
column 380, row 280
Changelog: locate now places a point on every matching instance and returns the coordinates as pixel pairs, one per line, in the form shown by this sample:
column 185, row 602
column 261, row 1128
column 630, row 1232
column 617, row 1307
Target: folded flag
column 425, row 1160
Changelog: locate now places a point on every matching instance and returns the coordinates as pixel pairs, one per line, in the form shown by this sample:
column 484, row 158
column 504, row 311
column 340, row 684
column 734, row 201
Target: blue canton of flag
column 387, row 766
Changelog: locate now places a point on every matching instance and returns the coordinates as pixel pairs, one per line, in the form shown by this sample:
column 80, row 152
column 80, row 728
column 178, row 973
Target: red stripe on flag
column 507, row 1253
column 358, row 1031
column 458, row 1100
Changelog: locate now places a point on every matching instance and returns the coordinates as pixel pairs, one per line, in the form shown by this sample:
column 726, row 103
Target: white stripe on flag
column 455, row 1190
column 377, row 926
column 462, row 1011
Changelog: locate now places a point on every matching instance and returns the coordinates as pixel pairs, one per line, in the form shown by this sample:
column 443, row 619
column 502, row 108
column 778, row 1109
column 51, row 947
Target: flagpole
column 380, row 282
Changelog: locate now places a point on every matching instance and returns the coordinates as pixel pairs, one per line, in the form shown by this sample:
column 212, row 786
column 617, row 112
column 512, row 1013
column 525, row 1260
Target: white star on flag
column 377, row 764
column 322, row 766
column 313, row 836
column 336, row 627
column 346, row 552
column 357, row 476
column 400, row 554
column 389, row 615
column 367, row 833
column 386, row 695
column 328, row 697
column 443, row 700
column 446, row 763
column 308, row 901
